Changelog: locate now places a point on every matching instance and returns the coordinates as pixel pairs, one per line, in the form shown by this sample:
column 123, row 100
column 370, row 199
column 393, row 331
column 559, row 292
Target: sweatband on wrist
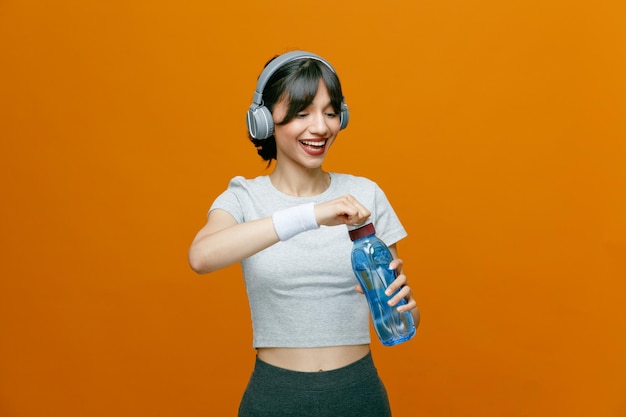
column 294, row 220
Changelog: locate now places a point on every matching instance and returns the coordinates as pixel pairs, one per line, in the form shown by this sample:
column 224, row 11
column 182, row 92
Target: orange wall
column 496, row 128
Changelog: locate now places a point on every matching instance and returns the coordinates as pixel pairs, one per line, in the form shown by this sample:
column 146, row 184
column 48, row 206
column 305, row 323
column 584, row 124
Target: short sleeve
column 388, row 226
column 230, row 200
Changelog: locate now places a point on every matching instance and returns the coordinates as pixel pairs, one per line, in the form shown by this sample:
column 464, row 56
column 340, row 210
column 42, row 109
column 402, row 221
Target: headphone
column 259, row 118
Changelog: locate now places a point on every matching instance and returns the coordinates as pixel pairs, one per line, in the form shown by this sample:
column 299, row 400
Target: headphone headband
column 259, row 118
column 278, row 62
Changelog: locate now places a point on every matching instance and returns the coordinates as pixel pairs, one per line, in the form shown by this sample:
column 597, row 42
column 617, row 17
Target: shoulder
column 239, row 183
column 350, row 180
column 244, row 198
column 242, row 190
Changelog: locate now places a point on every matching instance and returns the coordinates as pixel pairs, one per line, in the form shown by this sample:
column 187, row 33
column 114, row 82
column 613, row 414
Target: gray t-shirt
column 301, row 291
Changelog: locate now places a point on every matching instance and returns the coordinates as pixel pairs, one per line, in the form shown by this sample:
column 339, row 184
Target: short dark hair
column 297, row 82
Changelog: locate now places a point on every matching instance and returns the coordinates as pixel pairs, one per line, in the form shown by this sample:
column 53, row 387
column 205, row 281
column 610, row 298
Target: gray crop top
column 301, row 291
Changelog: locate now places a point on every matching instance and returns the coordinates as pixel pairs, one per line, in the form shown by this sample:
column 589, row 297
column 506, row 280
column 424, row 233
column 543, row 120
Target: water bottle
column 370, row 263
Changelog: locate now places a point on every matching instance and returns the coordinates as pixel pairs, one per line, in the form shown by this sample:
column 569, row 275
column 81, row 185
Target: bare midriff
column 313, row 359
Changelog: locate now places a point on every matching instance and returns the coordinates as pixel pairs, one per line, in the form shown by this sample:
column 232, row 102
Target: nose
column 319, row 124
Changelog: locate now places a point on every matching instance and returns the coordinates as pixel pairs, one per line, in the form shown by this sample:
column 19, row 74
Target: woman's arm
column 223, row 241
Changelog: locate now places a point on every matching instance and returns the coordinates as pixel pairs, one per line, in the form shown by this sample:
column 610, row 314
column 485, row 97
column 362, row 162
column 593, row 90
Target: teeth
column 313, row 143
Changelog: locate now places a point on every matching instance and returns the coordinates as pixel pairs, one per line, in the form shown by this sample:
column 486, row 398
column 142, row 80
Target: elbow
column 205, row 258
column 199, row 263
column 196, row 266
column 198, row 269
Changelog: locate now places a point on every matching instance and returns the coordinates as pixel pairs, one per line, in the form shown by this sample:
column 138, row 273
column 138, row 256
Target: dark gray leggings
column 352, row 391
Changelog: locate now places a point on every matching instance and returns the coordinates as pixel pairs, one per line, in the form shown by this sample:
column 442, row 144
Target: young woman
column 288, row 229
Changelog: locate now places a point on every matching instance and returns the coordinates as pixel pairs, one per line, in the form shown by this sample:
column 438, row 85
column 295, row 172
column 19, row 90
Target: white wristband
column 293, row 220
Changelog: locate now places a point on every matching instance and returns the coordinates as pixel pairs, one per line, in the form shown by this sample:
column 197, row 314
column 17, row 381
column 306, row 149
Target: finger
column 397, row 283
column 410, row 305
column 403, row 294
column 360, row 213
column 363, row 213
column 397, row 265
column 359, row 289
column 349, row 211
column 342, row 210
column 356, row 216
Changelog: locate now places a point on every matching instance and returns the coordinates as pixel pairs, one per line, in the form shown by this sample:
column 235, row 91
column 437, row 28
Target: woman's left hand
column 401, row 284
column 404, row 291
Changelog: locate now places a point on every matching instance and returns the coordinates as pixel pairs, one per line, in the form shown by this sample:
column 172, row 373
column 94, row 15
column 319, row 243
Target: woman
column 288, row 230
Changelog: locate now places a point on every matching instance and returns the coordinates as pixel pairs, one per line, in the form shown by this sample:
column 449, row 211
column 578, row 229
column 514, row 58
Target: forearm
column 212, row 251
column 223, row 241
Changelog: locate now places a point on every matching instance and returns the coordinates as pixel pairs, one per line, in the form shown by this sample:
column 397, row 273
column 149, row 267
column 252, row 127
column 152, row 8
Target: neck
column 301, row 184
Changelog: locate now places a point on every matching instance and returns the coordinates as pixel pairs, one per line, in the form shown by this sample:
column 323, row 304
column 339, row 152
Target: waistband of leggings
column 285, row 378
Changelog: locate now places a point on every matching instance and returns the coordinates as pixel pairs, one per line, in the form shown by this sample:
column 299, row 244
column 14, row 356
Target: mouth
column 314, row 147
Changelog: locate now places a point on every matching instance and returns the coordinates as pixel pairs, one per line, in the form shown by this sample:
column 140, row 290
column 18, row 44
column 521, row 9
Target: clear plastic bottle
column 370, row 262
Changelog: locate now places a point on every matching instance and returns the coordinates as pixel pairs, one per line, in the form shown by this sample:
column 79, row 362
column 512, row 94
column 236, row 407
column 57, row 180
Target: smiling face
column 290, row 91
column 306, row 138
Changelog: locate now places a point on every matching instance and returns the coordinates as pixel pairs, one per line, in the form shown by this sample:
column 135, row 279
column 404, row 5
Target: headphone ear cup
column 260, row 122
column 344, row 116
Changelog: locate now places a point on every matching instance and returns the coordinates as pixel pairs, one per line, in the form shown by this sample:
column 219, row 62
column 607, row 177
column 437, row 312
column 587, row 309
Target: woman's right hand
column 223, row 241
column 343, row 210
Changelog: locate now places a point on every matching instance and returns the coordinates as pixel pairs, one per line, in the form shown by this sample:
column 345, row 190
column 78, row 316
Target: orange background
column 496, row 128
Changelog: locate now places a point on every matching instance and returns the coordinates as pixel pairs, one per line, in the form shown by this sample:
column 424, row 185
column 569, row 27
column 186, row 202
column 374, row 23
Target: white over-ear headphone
column 259, row 118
